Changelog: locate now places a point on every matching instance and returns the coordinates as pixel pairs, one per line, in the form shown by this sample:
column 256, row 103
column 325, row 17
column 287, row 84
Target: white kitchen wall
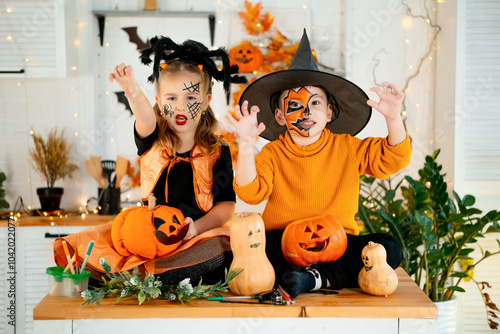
column 75, row 101
column 370, row 42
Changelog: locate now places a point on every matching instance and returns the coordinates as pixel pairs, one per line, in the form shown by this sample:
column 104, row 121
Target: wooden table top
column 408, row 301
column 66, row 220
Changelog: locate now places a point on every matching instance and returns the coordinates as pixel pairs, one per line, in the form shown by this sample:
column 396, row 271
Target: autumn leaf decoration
column 254, row 22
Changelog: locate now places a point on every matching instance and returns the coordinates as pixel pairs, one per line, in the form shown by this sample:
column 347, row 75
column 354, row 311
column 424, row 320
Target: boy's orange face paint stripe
column 296, row 103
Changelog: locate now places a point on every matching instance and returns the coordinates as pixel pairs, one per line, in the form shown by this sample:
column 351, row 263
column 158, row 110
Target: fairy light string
column 427, row 18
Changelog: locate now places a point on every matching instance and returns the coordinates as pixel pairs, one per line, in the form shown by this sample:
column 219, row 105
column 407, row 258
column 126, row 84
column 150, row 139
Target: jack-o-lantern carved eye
column 307, row 241
column 247, row 56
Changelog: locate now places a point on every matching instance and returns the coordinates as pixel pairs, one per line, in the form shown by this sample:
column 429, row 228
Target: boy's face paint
column 298, row 109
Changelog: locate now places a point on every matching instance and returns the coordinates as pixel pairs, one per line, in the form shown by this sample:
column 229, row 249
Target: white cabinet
column 34, row 254
column 7, row 285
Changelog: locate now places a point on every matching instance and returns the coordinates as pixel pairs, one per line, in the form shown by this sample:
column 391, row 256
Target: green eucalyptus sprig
column 124, row 284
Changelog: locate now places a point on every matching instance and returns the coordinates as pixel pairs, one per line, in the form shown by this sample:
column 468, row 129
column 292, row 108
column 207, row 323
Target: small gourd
column 377, row 277
column 248, row 243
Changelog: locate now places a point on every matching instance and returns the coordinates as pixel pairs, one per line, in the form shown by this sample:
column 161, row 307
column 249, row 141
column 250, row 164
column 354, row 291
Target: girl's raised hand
column 390, row 101
column 124, row 76
column 246, row 122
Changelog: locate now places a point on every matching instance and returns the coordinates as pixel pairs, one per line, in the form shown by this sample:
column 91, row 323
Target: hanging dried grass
column 50, row 157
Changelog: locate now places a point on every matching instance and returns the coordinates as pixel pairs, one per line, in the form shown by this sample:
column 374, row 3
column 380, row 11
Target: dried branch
column 50, row 157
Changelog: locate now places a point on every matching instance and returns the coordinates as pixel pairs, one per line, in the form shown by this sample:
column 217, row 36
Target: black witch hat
column 351, row 113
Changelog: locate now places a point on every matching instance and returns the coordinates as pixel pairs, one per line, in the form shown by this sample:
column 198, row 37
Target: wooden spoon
column 90, row 167
column 96, row 161
column 121, row 167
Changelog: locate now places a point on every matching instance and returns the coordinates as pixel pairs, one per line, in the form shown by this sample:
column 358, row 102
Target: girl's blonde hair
column 206, row 136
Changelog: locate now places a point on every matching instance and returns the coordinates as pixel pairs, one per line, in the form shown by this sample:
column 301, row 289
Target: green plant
column 3, row 203
column 435, row 230
column 51, row 157
column 126, row 284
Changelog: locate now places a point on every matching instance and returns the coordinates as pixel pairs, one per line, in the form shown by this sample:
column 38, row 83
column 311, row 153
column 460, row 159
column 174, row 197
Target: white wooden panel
column 35, row 254
column 240, row 325
column 474, row 313
column 32, row 30
column 6, row 289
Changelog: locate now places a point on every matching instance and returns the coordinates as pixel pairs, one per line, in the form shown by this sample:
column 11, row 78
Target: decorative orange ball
column 313, row 240
column 247, row 56
column 148, row 233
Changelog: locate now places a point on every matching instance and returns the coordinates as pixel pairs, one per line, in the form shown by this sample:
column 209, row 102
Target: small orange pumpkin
column 248, row 243
column 308, row 241
column 148, row 232
column 247, row 56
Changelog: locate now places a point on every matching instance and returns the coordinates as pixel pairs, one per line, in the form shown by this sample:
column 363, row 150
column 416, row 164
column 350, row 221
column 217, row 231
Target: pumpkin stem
column 151, row 202
column 371, row 244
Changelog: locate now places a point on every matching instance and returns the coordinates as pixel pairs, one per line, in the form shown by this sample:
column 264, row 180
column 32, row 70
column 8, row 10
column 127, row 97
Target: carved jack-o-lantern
column 247, row 56
column 148, row 233
column 309, row 241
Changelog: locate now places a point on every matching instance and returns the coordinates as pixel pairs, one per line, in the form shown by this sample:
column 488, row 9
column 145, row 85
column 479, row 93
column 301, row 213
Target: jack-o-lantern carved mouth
column 255, row 245
column 174, row 238
column 244, row 60
column 314, row 246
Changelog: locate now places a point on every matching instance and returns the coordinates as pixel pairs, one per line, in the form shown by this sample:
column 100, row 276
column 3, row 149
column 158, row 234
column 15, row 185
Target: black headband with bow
column 165, row 49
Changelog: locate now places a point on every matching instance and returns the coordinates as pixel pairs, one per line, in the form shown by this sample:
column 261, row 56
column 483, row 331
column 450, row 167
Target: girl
column 184, row 163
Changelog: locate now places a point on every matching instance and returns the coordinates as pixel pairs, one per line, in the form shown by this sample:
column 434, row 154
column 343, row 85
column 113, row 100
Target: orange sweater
column 323, row 178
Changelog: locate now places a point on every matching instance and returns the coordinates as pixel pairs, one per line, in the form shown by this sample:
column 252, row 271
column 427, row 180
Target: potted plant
column 50, row 157
column 434, row 229
column 3, row 203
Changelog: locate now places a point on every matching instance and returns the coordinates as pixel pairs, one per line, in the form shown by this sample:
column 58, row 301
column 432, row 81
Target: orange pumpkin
column 247, row 56
column 308, row 241
column 148, row 232
column 248, row 243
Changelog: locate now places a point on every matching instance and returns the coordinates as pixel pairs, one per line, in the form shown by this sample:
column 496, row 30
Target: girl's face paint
column 181, row 100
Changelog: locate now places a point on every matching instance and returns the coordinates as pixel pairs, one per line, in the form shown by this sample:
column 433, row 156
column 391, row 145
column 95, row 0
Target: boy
column 313, row 163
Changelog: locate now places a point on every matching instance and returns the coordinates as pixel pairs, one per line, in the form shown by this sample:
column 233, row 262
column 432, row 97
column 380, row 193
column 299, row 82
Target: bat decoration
column 134, row 38
column 122, row 99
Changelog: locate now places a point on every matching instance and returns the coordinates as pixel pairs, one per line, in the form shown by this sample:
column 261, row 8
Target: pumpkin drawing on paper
column 248, row 243
column 247, row 56
column 313, row 240
column 148, row 232
column 377, row 277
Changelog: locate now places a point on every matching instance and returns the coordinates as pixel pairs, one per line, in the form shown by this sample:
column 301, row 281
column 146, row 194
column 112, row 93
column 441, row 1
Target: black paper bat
column 122, row 99
column 134, row 38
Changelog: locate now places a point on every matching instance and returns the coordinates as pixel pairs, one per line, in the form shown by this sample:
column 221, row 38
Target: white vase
column 447, row 316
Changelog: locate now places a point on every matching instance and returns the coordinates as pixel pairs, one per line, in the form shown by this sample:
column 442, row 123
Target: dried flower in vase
column 51, row 156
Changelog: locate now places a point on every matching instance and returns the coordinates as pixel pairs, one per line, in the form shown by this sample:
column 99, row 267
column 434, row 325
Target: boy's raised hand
column 390, row 101
column 124, row 76
column 246, row 123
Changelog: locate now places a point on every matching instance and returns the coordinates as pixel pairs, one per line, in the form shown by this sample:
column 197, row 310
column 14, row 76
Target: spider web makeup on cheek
column 167, row 110
column 193, row 88
column 194, row 109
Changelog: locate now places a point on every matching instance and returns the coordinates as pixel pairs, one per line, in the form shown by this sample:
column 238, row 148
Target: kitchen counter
column 407, row 310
